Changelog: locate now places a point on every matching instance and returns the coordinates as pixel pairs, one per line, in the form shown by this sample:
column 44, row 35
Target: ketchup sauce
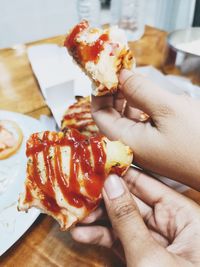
column 80, row 160
column 84, row 52
column 80, row 122
column 70, row 41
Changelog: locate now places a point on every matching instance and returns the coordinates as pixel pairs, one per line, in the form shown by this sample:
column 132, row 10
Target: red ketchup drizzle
column 82, row 119
column 95, row 181
column 51, row 204
column 28, row 196
column 91, row 52
column 78, row 115
column 70, row 41
column 48, row 167
column 48, row 195
column 118, row 170
column 93, row 177
column 81, row 123
column 81, row 51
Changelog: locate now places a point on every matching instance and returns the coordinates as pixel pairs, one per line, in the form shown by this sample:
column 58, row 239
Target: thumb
column 143, row 94
column 125, row 216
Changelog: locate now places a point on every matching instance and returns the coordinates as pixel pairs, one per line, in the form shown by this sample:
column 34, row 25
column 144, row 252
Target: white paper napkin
column 49, row 123
column 59, row 78
column 52, row 65
column 59, row 97
column 173, row 83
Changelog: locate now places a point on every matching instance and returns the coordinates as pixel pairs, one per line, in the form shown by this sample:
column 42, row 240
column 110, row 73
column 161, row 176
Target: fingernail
column 143, row 116
column 113, row 186
column 124, row 75
column 88, row 219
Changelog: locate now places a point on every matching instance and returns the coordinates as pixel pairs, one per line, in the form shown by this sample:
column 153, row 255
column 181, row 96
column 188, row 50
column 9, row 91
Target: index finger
column 143, row 94
column 107, row 118
column 101, row 102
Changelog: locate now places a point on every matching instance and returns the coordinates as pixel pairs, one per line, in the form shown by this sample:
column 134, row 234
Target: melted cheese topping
column 78, row 116
column 105, row 69
column 102, row 53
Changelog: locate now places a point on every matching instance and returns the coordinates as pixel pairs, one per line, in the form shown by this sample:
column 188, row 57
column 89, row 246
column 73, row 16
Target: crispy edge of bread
column 125, row 61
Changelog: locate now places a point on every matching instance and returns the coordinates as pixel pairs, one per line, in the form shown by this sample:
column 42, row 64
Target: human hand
column 156, row 225
column 169, row 143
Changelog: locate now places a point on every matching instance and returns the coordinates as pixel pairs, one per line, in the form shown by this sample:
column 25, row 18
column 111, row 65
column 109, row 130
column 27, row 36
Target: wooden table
column 43, row 244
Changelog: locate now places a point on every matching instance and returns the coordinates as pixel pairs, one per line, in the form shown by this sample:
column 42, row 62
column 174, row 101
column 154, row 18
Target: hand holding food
column 168, row 144
column 156, row 225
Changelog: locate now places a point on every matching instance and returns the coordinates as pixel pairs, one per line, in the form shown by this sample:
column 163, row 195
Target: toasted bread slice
column 78, row 116
column 101, row 53
column 66, row 172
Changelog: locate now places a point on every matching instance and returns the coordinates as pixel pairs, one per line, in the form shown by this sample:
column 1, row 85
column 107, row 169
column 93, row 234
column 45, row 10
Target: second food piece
column 101, row 53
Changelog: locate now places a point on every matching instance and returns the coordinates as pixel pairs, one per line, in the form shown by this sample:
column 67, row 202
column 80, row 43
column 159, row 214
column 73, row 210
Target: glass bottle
column 129, row 15
column 89, row 10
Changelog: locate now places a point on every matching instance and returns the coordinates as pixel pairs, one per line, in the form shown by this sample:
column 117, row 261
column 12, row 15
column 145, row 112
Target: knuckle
column 124, row 211
column 165, row 110
column 98, row 239
column 132, row 180
column 133, row 85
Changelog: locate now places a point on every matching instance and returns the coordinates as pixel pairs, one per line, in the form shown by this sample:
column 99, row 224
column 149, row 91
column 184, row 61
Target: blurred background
column 22, row 21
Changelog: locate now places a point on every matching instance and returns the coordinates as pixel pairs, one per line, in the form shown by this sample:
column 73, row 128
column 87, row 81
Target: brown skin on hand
column 156, row 225
column 169, row 143
column 154, row 222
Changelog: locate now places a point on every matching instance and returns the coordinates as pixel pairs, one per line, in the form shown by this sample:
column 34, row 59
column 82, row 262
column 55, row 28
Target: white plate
column 13, row 224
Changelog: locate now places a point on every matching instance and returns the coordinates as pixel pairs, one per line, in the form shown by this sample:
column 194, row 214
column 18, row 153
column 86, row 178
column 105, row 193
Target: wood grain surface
column 44, row 244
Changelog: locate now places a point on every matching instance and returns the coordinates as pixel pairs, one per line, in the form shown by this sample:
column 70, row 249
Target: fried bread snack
column 66, row 172
column 78, row 116
column 101, row 54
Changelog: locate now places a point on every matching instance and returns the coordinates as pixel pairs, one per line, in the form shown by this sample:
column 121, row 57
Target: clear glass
column 89, row 10
column 129, row 15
